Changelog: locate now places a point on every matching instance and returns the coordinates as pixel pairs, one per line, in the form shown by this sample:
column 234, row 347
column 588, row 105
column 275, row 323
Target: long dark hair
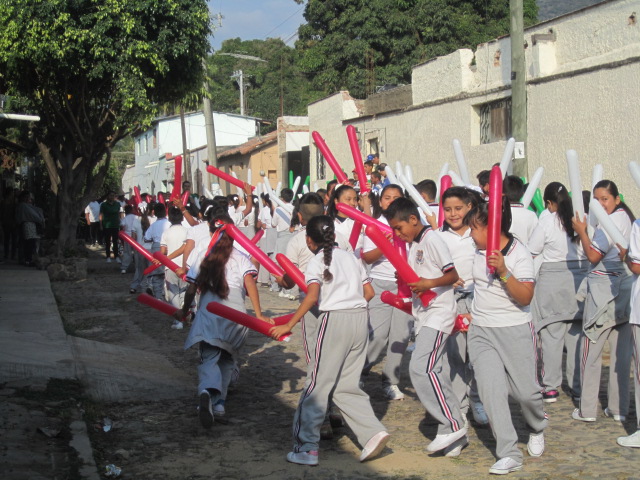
column 375, row 199
column 612, row 188
column 212, row 269
column 321, row 230
column 332, row 211
column 557, row 193
column 480, row 216
column 466, row 195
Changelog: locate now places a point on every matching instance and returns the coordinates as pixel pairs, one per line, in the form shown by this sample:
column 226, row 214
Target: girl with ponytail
column 557, row 314
column 502, row 341
column 338, row 283
column 221, row 274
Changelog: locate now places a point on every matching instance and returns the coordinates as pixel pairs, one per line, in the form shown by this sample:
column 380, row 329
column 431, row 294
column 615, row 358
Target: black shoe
column 149, row 291
column 132, row 290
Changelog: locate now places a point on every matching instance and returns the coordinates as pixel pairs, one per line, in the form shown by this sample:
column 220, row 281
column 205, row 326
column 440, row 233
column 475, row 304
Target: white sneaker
column 218, row 409
column 374, row 446
column 109, row 260
column 177, row 325
column 577, row 416
column 123, row 271
column 303, row 458
column 443, row 441
column 632, row 440
column 479, row 415
column 505, row 465
column 393, row 392
column 456, row 447
column 617, row 418
column 535, row 445
column 283, row 295
column 204, row 410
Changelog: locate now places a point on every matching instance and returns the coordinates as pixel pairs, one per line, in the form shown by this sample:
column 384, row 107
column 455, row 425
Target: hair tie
column 207, row 209
column 324, row 227
column 559, row 188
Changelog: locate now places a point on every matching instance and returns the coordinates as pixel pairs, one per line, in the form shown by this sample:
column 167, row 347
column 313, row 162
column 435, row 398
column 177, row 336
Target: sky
column 256, row 19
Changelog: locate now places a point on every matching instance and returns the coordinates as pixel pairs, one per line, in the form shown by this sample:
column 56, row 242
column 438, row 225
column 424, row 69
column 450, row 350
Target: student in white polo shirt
column 390, row 328
column 344, row 225
column 557, row 313
column 523, row 220
column 457, row 202
column 281, row 221
column 340, row 286
column 431, row 260
column 502, row 340
column 153, row 236
column 172, row 244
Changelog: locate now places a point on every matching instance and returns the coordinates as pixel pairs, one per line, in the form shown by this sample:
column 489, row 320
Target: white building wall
column 583, row 86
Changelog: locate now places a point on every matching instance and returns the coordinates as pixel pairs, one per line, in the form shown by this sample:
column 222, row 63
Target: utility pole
column 239, row 76
column 518, row 85
column 212, row 155
column 186, row 172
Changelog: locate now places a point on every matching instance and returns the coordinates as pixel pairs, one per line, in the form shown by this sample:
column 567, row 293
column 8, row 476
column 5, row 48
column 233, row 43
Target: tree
column 354, row 44
column 95, row 70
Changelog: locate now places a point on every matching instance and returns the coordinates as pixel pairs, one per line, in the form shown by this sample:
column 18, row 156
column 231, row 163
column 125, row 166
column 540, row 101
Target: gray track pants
column 504, row 361
column 389, row 332
column 214, row 371
column 620, row 347
column 431, row 384
column 341, row 345
column 553, row 338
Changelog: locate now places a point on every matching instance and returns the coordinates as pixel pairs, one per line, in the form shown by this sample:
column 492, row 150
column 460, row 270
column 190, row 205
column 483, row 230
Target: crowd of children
column 553, row 284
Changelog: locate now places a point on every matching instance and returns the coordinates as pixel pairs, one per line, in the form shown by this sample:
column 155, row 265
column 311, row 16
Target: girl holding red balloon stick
column 340, row 286
column 431, row 260
column 344, row 225
column 456, row 203
column 390, row 328
column 224, row 275
column 501, row 339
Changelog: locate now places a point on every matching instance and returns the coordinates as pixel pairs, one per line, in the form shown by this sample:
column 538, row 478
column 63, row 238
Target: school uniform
column 138, row 260
column 153, row 236
column 430, row 258
column 389, row 327
column 201, row 236
column 281, row 221
column 219, row 339
column 456, row 364
column 634, row 317
column 267, row 244
column 523, row 222
column 503, row 350
column 127, row 225
column 174, row 287
column 606, row 319
column 340, row 353
column 344, row 227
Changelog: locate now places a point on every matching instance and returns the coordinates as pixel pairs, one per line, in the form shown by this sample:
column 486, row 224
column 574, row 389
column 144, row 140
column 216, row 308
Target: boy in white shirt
column 172, row 245
column 281, row 221
column 153, row 235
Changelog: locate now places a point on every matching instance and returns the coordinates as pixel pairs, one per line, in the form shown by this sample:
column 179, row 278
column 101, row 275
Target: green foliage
column 266, row 81
column 342, row 38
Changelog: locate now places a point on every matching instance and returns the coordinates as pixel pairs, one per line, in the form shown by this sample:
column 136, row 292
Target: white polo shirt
column 345, row 291
column 602, row 242
column 381, row 269
column 523, row 222
column 463, row 251
column 93, row 209
column 492, row 306
column 238, row 266
column 430, row 258
column 173, row 238
column 550, row 239
column 155, row 231
column 634, row 255
column 298, row 252
column 279, row 218
column 344, row 226
column 127, row 223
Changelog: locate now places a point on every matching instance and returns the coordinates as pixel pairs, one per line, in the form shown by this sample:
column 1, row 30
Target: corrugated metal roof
column 250, row 146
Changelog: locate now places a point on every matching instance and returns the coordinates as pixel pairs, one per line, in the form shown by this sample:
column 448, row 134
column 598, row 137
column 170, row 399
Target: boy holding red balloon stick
column 431, row 260
column 340, row 286
column 224, row 275
column 502, row 339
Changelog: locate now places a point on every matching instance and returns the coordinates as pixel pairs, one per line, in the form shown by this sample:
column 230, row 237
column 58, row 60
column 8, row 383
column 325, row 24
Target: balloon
column 328, row 156
column 396, row 301
column 136, row 193
column 455, row 179
column 461, row 324
column 296, row 185
column 445, row 184
column 159, row 305
column 607, row 224
column 392, row 176
column 357, row 158
column 356, row 231
column 506, row 156
column 139, row 248
column 363, row 218
column 495, row 213
column 226, row 177
column 597, row 174
column 177, row 177
column 533, row 186
column 462, row 165
column 294, row 272
column 185, row 198
column 635, row 172
column 254, row 250
column 244, row 319
column 161, row 198
column 256, row 238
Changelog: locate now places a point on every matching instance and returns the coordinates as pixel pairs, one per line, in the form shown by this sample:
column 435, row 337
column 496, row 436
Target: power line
column 284, row 21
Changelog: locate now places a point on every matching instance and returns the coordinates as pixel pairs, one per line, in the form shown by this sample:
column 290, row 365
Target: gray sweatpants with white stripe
column 504, row 360
column 431, row 383
column 390, row 330
column 553, row 338
column 620, row 349
column 340, row 352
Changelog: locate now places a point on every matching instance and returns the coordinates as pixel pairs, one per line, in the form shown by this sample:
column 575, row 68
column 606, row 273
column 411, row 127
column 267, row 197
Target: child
column 523, row 220
column 632, row 260
column 501, row 339
column 339, row 284
column 389, row 328
column 224, row 275
column 281, row 221
column 153, row 236
column 172, row 245
column 557, row 314
column 606, row 310
column 457, row 202
column 428, row 191
column 430, row 258
column 343, row 225
column 268, row 241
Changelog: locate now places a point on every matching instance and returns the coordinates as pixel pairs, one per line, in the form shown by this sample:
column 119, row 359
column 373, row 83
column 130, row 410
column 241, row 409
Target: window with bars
column 495, row 121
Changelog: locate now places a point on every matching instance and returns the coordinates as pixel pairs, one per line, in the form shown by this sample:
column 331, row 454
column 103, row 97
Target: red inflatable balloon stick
column 177, row 177
column 254, row 250
column 161, row 198
column 226, row 177
column 401, row 247
column 256, row 238
column 139, row 248
column 136, row 195
column 495, row 213
column 328, row 156
column 461, row 324
column 400, row 264
column 395, row 301
column 445, row 184
column 361, row 217
column 356, row 231
column 244, row 319
column 185, row 198
column 294, row 272
column 159, row 305
column 357, row 158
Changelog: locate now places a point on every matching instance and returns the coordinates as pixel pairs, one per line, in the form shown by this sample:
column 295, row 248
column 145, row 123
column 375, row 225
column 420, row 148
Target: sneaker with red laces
column 550, row 396
column 303, row 458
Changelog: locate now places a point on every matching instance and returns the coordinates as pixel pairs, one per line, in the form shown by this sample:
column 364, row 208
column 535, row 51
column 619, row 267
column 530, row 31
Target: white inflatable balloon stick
column 462, row 165
column 607, row 224
column 533, row 186
column 507, row 156
column 574, row 182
